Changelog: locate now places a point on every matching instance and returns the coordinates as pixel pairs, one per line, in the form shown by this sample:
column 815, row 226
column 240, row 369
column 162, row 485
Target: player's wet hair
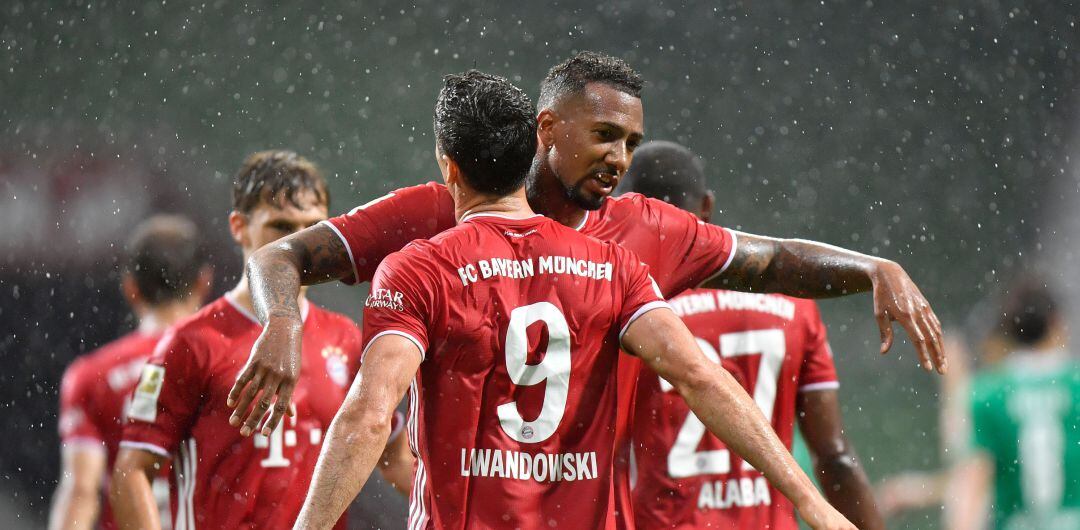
column 487, row 126
column 1028, row 312
column 164, row 257
column 666, row 171
column 274, row 176
column 572, row 75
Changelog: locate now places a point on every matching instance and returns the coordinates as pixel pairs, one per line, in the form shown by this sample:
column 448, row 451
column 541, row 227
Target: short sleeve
column 385, row 225
column 693, row 251
column 818, row 372
column 76, row 423
column 400, row 301
column 167, row 398
column 639, row 292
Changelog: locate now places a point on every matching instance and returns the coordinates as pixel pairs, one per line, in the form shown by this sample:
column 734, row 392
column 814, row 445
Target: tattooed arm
column 807, row 269
column 275, row 273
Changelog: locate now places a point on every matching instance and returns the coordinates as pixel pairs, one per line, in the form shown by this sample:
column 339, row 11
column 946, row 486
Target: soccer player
column 1024, row 461
column 776, row 347
column 222, row 479
column 514, row 323
column 165, row 278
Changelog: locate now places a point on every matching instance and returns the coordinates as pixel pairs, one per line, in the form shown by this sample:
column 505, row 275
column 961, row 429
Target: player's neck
column 156, row 319
column 548, row 198
column 241, row 296
column 514, row 205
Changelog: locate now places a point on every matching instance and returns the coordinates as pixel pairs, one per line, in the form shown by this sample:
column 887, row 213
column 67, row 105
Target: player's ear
column 453, row 174
column 130, row 290
column 237, row 227
column 203, row 284
column 545, row 128
column 707, row 203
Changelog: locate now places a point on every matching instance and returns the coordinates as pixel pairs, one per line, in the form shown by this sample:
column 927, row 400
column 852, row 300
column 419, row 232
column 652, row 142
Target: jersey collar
column 470, row 216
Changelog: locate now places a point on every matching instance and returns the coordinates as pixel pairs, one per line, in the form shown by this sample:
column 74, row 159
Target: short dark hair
column 273, row 176
column 666, row 171
column 487, row 126
column 571, row 76
column 164, row 257
column 1028, row 311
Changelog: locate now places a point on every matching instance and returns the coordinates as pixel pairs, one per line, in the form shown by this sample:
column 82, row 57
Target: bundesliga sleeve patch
column 144, row 402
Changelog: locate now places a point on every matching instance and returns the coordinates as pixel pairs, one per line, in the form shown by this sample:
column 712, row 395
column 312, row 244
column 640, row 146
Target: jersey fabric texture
column 513, row 409
column 1025, row 415
column 178, row 410
column 680, row 250
column 93, row 396
column 775, row 346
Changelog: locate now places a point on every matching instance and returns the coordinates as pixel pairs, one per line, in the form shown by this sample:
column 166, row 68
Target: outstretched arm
column 808, row 269
column 130, row 492
column 359, row 432
column 76, row 501
column 835, row 462
column 662, row 341
column 275, row 274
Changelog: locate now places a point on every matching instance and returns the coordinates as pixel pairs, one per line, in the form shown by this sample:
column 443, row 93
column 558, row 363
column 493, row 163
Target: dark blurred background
column 943, row 135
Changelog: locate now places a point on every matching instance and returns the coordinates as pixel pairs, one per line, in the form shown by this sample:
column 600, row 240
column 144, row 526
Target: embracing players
column 506, row 331
column 165, row 279
column 178, row 412
column 589, row 122
column 774, row 345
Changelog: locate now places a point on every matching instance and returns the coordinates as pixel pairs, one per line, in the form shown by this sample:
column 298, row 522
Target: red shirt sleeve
column 167, row 399
column 817, row 371
column 76, row 423
column 401, row 300
column 385, row 225
column 640, row 294
column 692, row 251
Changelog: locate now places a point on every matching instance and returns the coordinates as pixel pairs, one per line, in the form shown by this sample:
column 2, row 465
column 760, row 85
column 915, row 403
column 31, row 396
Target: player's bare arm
column 836, row 465
column 130, row 491
column 662, row 341
column 808, row 269
column 76, row 503
column 275, row 273
column 358, row 435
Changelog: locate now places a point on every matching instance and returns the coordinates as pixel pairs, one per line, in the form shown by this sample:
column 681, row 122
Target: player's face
column 593, row 140
column 268, row 222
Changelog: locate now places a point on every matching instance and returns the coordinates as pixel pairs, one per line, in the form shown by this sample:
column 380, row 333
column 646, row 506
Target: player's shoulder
column 210, row 323
column 429, row 194
column 123, row 349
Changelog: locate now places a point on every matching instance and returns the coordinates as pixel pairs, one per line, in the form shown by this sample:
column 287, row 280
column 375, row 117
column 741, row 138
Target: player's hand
column 820, row 515
column 896, row 298
column 272, row 370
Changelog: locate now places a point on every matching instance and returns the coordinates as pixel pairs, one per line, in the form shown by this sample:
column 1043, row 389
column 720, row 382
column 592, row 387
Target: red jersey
column 776, row 346
column 512, row 412
column 178, row 410
column 680, row 250
column 94, row 393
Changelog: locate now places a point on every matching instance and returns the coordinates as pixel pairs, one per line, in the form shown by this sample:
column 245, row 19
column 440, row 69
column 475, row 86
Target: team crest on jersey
column 385, row 299
column 144, row 402
column 336, row 365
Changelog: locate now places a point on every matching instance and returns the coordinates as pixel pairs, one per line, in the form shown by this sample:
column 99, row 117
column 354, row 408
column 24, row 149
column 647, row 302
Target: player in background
column 222, row 479
column 1024, row 457
column 776, row 347
column 165, row 278
column 589, row 122
column 459, row 317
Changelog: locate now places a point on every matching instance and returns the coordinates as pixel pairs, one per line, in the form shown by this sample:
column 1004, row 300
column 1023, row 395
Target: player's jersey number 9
column 554, row 369
column 684, row 460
